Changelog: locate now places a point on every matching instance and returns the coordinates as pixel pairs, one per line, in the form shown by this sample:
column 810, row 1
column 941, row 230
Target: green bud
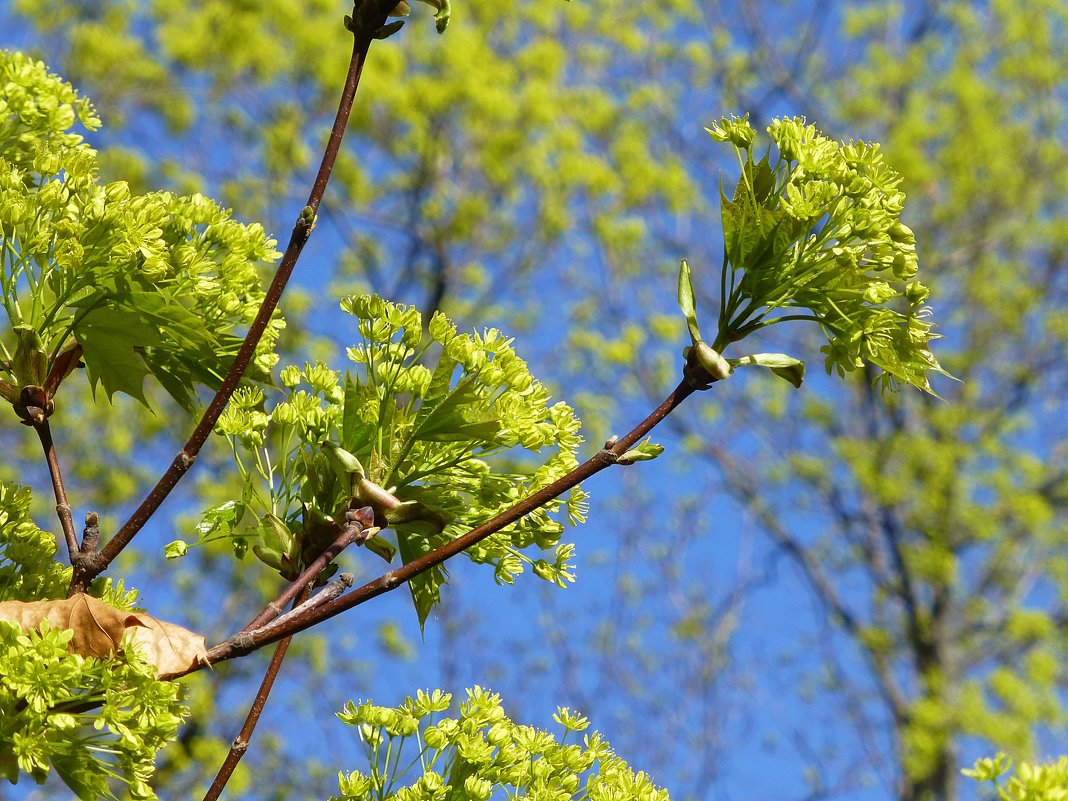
column 714, row 364
column 477, row 789
column 734, row 130
column 274, row 533
column 543, row 570
column 642, row 452
column 345, row 465
column 686, row 301
column 899, row 232
column 30, row 364
column 176, row 549
column 916, row 293
column 290, row 376
column 269, row 557
column 879, row 292
column 785, row 367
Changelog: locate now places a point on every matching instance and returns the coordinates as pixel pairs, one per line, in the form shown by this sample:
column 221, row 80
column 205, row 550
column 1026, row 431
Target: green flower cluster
column 89, row 719
column 1047, row 782
column 481, row 752
column 431, row 449
column 819, row 230
column 28, row 570
column 142, row 284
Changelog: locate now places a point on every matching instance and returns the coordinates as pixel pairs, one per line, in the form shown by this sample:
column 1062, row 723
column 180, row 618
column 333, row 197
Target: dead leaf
column 101, row 630
column 170, row 648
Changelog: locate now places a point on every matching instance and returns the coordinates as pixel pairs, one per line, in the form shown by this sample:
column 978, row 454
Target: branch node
column 92, row 562
column 185, row 459
column 243, row 642
column 90, row 535
column 33, row 406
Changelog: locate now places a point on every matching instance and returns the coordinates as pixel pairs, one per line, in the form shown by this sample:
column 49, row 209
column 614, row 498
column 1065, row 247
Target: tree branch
column 246, row 642
column 821, row 583
column 66, row 519
column 241, row 742
column 368, row 17
column 356, row 525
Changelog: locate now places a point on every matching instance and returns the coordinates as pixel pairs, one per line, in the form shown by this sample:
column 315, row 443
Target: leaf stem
column 371, row 15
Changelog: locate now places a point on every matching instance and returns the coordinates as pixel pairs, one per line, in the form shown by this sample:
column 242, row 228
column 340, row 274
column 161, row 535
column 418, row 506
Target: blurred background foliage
column 815, row 594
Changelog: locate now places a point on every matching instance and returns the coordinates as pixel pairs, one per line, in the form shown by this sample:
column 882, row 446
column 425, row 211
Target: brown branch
column 356, row 524
column 247, row 641
column 241, row 742
column 66, row 519
column 370, row 16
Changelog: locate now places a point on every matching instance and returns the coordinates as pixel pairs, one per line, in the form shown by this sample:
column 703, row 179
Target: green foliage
column 480, row 753
column 1031, row 782
column 819, row 230
column 139, row 284
column 431, row 450
column 89, row 719
column 28, row 570
column 551, row 133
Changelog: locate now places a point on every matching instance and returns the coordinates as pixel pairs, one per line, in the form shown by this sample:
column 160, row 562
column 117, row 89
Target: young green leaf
column 786, row 367
column 642, row 452
column 686, row 301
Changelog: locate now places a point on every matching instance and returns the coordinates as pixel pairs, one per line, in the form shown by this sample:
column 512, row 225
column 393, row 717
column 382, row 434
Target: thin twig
column 356, row 523
column 328, row 593
column 371, row 15
column 247, row 641
column 240, row 743
column 66, row 519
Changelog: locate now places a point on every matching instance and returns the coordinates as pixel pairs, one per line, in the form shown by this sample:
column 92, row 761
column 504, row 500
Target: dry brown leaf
column 170, row 648
column 101, row 630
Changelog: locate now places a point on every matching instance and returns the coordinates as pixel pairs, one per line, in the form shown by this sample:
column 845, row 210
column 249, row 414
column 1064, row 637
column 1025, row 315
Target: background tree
column 538, row 147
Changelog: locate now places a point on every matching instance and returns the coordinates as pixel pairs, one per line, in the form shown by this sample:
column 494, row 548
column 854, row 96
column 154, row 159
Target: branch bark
column 63, row 510
column 244, row 737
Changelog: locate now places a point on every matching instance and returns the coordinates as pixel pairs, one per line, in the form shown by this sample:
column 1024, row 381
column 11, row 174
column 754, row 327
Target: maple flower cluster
column 819, row 230
column 144, row 284
column 437, row 427
column 87, row 718
column 480, row 753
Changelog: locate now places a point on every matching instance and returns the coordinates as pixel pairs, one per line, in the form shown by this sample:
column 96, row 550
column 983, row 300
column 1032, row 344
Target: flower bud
column 916, row 293
column 736, row 131
column 899, row 232
column 879, row 292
